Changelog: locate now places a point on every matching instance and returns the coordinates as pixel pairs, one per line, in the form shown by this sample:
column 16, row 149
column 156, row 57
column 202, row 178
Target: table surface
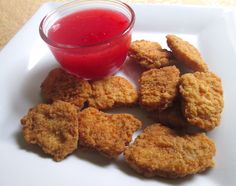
column 14, row 13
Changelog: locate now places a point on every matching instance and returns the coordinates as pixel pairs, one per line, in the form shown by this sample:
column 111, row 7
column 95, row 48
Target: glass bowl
column 96, row 60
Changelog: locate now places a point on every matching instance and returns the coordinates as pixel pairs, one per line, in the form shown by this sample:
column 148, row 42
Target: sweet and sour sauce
column 93, row 42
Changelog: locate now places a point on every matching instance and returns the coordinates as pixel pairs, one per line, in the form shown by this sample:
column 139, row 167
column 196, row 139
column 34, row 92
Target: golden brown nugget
column 112, row 91
column 60, row 85
column 158, row 87
column 202, row 99
column 161, row 151
column 172, row 116
column 186, row 53
column 150, row 54
column 53, row 127
column 108, row 134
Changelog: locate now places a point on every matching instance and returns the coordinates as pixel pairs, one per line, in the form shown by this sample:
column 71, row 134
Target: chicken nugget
column 60, row 85
column 112, row 91
column 186, row 53
column 150, row 54
column 53, row 127
column 161, row 151
column 202, row 99
column 108, row 134
column 172, row 116
column 158, row 87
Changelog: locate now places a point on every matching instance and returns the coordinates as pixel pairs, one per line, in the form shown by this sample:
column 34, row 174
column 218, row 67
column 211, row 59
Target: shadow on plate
column 29, row 147
column 93, row 157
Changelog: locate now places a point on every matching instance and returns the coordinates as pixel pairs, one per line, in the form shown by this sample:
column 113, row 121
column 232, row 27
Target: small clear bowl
column 96, row 60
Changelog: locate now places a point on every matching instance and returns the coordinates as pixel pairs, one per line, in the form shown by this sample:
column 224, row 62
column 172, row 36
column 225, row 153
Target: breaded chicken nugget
column 150, row 54
column 161, row 151
column 202, row 99
column 172, row 116
column 53, row 127
column 158, row 87
column 111, row 92
column 108, row 134
column 186, row 53
column 59, row 85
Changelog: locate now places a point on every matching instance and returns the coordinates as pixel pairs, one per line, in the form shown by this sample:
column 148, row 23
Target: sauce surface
column 86, row 28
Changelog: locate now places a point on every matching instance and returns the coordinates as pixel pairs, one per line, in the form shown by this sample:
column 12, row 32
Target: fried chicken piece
column 108, row 134
column 60, row 85
column 161, row 151
column 150, row 54
column 172, row 116
column 112, row 92
column 158, row 87
column 186, row 53
column 53, row 127
column 202, row 99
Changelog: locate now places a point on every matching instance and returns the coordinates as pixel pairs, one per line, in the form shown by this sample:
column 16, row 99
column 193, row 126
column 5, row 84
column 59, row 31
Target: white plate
column 26, row 60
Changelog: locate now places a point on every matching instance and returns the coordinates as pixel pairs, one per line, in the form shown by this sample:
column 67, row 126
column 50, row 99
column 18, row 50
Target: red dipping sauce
column 90, row 43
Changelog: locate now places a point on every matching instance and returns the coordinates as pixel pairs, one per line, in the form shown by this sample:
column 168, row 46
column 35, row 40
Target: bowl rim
column 66, row 46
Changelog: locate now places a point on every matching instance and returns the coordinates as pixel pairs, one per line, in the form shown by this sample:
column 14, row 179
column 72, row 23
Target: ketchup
column 92, row 43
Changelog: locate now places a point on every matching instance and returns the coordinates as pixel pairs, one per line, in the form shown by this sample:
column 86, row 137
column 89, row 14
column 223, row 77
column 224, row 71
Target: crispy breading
column 60, row 85
column 161, row 151
column 202, row 99
column 158, row 87
column 172, row 116
column 186, row 53
column 112, row 91
column 108, row 134
column 53, row 127
column 150, row 54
